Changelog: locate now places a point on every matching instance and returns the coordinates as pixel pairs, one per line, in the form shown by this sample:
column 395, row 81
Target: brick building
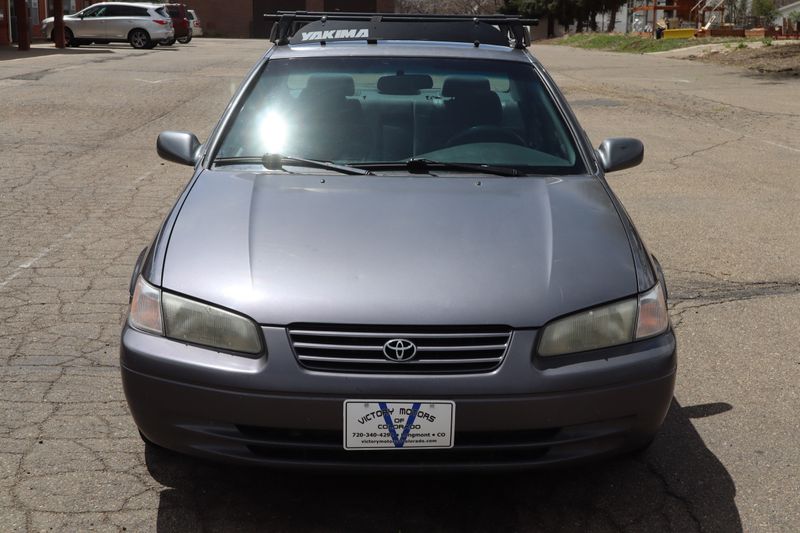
column 244, row 18
column 5, row 22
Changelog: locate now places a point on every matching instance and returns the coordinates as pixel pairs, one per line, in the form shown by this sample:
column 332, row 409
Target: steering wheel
column 485, row 133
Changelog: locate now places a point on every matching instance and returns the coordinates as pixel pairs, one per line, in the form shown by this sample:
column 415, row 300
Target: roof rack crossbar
column 288, row 23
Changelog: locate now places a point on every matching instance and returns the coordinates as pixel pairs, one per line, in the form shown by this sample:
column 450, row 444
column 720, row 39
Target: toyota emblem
column 399, row 350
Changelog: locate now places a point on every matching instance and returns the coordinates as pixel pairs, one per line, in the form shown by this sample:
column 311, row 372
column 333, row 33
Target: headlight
column 186, row 320
column 608, row 325
column 199, row 323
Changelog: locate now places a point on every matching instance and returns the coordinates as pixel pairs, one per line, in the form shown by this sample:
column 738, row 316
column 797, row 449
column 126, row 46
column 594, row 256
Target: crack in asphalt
column 694, row 292
column 676, row 104
column 39, row 74
column 702, row 150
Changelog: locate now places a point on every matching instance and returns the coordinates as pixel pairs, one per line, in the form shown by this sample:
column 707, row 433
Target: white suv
column 141, row 25
column 194, row 22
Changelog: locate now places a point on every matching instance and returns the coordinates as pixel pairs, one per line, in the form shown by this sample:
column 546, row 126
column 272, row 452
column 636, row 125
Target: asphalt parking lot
column 82, row 191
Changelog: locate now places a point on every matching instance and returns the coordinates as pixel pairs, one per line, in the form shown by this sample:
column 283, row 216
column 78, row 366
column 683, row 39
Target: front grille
column 361, row 348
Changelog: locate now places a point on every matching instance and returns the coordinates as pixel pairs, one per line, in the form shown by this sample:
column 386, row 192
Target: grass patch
column 616, row 42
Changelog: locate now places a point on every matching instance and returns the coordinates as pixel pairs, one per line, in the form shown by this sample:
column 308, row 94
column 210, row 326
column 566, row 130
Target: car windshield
column 364, row 110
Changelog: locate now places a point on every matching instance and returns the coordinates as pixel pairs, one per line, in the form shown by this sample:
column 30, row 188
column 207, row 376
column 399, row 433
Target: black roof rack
column 298, row 27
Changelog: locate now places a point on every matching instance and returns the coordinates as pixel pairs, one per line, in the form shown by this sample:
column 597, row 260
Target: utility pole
column 23, row 35
column 58, row 23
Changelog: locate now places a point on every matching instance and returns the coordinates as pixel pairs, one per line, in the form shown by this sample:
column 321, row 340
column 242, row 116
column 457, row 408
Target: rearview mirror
column 619, row 153
column 179, row 147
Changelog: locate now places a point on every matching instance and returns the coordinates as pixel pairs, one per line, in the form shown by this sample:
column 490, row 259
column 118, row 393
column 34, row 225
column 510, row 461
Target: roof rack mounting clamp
column 282, row 30
column 522, row 38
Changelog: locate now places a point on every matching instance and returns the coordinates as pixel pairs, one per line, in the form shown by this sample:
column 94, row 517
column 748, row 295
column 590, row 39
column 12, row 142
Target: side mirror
column 619, row 153
column 179, row 147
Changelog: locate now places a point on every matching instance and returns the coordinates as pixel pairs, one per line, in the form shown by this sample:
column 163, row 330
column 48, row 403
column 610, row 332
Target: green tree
column 549, row 10
column 741, row 11
column 564, row 12
column 765, row 9
column 794, row 16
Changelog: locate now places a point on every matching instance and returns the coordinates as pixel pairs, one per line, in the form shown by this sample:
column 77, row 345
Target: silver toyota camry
column 398, row 249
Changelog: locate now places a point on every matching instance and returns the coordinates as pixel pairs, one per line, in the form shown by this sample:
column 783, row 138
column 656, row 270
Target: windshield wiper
column 425, row 166
column 276, row 161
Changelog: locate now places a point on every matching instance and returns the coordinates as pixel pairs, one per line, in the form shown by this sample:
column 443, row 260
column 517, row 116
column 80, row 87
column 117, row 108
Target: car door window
column 90, row 12
column 114, row 11
column 99, row 12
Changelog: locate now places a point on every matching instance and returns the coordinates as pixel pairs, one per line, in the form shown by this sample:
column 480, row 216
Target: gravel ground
column 778, row 59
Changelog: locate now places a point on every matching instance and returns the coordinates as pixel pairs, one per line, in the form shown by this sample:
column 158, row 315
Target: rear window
column 190, row 15
column 162, row 12
column 375, row 110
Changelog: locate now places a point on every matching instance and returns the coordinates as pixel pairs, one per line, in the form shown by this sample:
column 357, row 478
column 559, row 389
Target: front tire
column 185, row 40
column 139, row 39
column 69, row 38
column 167, row 42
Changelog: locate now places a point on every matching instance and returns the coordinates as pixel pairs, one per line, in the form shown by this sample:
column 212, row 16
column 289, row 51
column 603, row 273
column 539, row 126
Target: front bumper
column 271, row 411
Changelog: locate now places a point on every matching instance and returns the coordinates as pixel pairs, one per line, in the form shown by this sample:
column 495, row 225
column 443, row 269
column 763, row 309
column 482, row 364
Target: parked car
column 194, row 21
column 141, row 25
column 398, row 249
column 180, row 22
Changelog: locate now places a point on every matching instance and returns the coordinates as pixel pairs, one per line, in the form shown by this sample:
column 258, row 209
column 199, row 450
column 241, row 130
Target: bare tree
column 476, row 7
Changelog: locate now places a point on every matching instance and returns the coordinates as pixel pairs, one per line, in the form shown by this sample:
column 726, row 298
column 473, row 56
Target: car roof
column 134, row 4
column 403, row 49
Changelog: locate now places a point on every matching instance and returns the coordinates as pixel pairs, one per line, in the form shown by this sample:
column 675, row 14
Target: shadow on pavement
column 676, row 485
column 11, row 52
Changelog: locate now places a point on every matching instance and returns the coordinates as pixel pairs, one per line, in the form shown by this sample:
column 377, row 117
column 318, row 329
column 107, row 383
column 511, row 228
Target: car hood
column 399, row 250
column 51, row 20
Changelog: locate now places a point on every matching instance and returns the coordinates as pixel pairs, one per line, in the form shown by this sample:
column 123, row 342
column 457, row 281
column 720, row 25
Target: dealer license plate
column 398, row 425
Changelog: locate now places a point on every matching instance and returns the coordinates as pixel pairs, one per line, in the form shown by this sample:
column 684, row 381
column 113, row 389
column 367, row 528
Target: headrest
column 404, row 83
column 330, row 85
column 465, row 86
